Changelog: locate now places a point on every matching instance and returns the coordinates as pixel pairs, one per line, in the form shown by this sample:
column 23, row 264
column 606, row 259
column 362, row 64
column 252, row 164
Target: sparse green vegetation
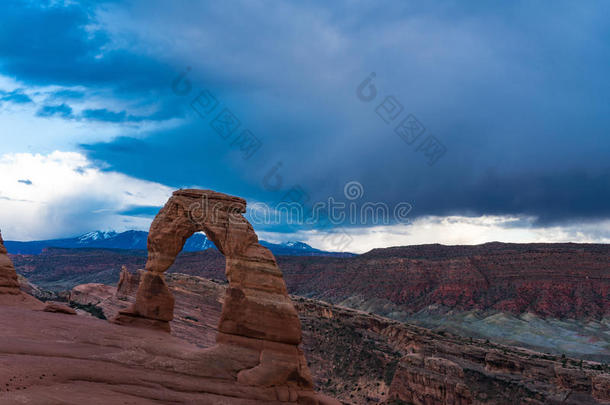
column 92, row 309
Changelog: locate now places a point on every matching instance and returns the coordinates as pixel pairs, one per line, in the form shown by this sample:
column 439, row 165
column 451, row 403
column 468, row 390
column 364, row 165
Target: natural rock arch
column 257, row 314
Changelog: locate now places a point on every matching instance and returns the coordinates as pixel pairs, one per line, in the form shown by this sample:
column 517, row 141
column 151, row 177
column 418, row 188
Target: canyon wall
column 551, row 280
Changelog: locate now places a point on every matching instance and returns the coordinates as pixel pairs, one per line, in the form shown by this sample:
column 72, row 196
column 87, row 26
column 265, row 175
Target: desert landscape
column 196, row 336
column 252, row 202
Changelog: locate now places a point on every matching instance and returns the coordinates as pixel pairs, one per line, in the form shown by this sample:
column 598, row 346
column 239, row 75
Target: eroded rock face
column 9, row 284
column 10, row 292
column 430, row 380
column 58, row 308
column 257, row 316
column 601, row 387
column 128, row 283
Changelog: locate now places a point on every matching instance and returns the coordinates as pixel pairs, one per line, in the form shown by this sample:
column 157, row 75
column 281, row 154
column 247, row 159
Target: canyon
column 219, row 326
column 362, row 358
column 354, row 356
column 558, row 280
column 548, row 297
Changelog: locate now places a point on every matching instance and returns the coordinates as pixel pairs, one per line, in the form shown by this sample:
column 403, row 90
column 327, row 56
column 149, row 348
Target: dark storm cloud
column 517, row 92
column 61, row 43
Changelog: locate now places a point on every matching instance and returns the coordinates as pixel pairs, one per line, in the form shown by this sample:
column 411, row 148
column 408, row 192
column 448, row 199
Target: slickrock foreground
column 53, row 358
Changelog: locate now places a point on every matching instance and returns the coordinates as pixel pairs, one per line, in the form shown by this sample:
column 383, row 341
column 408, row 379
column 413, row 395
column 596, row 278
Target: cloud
column 68, row 94
column 68, row 196
column 103, row 114
column 66, row 36
column 518, row 94
column 141, row 211
column 16, row 96
column 450, row 230
column 29, row 128
column 64, row 46
column 524, row 134
column 60, row 110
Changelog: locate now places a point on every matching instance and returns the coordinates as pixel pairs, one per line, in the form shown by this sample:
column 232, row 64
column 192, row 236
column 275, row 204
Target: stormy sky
column 489, row 119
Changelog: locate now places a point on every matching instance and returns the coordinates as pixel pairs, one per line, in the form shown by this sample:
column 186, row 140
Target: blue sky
column 97, row 129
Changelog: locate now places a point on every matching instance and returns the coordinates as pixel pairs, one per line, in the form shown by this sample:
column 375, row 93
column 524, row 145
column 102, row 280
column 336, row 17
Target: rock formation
column 128, row 283
column 9, row 284
column 258, row 320
column 361, row 358
column 58, row 308
column 430, row 380
column 10, row 293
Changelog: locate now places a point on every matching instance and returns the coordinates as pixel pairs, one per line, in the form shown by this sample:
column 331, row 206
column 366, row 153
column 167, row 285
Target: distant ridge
column 136, row 240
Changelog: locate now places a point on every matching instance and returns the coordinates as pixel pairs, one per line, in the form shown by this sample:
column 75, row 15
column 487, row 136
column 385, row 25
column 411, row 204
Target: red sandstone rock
column 257, row 319
column 154, row 300
column 501, row 363
column 429, row 381
column 50, row 359
column 10, row 294
column 555, row 280
column 9, row 283
column 58, row 308
column 93, row 293
column 128, row 283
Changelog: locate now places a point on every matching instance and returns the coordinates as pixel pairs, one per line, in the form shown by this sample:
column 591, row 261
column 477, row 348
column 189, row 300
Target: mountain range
column 136, row 240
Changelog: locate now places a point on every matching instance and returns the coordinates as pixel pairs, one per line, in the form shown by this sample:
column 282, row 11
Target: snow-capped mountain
column 137, row 240
column 95, row 236
column 297, row 245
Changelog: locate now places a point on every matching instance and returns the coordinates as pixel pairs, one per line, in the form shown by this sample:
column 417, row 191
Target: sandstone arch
column 257, row 314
